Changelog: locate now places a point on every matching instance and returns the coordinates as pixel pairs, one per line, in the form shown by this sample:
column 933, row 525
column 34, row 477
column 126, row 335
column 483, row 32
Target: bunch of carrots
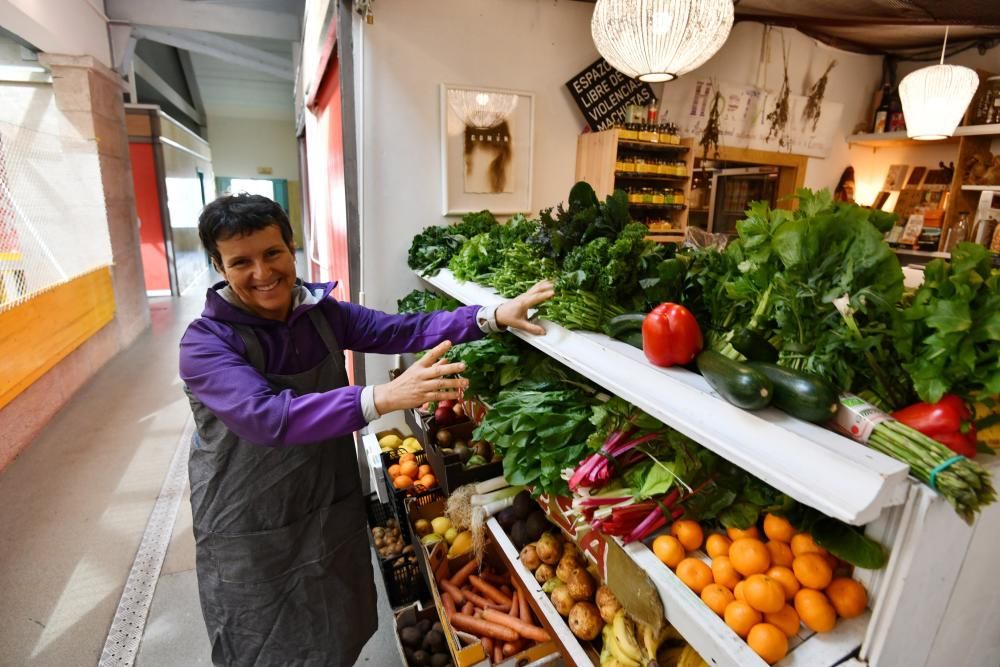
column 491, row 606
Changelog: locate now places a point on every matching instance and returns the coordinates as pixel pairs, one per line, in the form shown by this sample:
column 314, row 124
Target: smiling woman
column 260, row 269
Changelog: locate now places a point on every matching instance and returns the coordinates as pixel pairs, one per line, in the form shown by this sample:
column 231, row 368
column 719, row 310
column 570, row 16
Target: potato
column 544, row 573
column 585, row 621
column 529, row 557
column 581, row 585
column 607, row 603
column 549, row 549
column 567, row 565
column 562, row 600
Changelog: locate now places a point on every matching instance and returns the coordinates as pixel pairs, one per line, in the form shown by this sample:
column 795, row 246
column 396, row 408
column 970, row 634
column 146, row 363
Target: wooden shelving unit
column 597, row 154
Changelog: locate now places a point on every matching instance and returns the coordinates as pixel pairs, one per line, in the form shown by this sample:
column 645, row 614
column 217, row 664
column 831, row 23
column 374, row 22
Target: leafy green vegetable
column 848, row 544
column 495, row 363
column 563, row 229
column 433, row 248
column 425, row 301
column 539, row 433
column 950, row 329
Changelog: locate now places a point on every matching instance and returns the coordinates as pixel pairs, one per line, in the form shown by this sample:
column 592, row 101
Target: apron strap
column 255, row 352
column 323, row 328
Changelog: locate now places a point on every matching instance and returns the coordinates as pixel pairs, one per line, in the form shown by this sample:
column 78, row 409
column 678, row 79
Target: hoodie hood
column 222, row 304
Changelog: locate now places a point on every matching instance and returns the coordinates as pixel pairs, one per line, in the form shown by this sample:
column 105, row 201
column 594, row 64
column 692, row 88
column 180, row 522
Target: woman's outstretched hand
column 423, row 382
column 514, row 313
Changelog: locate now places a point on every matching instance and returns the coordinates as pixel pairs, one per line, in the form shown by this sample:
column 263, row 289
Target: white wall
column 69, row 27
column 413, row 47
column 240, row 145
column 852, row 83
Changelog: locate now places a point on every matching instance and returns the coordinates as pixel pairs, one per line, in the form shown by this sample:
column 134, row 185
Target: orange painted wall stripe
column 38, row 334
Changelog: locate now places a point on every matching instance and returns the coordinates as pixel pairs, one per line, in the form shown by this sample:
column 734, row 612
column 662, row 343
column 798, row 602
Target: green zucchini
column 618, row 327
column 799, row 393
column 633, row 338
column 736, row 381
column 754, row 346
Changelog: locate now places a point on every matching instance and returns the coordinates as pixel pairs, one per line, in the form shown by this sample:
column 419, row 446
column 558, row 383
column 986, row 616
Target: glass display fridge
column 733, row 190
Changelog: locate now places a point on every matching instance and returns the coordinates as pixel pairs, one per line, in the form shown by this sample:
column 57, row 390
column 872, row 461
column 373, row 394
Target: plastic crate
column 418, row 495
column 404, row 583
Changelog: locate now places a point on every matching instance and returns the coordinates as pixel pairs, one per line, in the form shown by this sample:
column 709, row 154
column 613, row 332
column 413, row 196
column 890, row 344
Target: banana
column 690, row 658
column 625, row 636
column 617, row 653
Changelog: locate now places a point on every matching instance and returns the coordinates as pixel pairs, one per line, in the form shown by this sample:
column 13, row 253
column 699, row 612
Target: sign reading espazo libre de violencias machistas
column 603, row 94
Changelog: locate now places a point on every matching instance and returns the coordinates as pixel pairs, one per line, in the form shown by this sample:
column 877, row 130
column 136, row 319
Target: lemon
column 441, row 525
column 390, row 441
column 412, row 445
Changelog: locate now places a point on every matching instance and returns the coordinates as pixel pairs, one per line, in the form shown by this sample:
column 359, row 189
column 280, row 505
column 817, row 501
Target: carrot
column 468, row 608
column 449, row 605
column 495, row 579
column 459, row 578
column 487, row 643
column 483, row 603
column 526, row 630
column 455, row 592
column 483, row 628
column 515, row 609
column 523, row 608
column 489, row 591
column 441, row 572
column 497, row 653
column 511, row 648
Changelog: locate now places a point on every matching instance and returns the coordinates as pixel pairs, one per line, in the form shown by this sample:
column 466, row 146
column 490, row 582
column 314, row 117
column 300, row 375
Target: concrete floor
column 74, row 505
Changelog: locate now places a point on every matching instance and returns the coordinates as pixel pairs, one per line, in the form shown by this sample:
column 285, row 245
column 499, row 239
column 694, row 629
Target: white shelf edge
column 819, row 468
column 568, row 640
column 373, row 454
column 981, row 188
column 977, row 130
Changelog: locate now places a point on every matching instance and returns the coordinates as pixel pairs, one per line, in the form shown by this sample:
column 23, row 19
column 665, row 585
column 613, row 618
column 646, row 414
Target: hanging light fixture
column 480, row 109
column 935, row 98
column 659, row 40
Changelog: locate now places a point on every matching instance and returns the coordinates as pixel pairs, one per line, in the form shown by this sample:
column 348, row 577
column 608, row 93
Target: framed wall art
column 486, row 149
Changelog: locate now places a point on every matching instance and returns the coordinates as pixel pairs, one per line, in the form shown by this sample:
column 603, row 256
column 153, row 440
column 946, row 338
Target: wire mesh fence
column 53, row 222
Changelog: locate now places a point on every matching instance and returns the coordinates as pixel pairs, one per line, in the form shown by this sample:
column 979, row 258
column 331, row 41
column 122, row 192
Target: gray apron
column 283, row 560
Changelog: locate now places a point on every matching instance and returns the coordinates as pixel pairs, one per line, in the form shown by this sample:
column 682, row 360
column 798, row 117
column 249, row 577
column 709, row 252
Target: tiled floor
column 74, row 505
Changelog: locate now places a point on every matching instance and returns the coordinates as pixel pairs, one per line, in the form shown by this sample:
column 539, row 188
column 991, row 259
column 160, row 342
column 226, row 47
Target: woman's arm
column 214, row 369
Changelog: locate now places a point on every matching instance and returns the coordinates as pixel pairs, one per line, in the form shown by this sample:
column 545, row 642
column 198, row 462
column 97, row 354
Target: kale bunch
column 425, row 301
column 587, row 218
column 434, row 247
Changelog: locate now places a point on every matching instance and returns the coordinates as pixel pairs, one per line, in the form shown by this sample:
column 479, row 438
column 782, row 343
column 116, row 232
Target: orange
column 409, row 468
column 815, row 610
column 781, row 553
column 428, row 481
column 689, row 533
column 695, row 574
column 786, row 619
column 764, row 593
column 717, row 597
column 407, row 457
column 736, row 533
column 424, row 470
column 669, row 550
column 738, row 592
column 778, row 528
column 787, row 579
column 749, row 556
column 402, row 482
column 769, row 642
column 812, row 571
column 724, row 573
column 741, row 617
column 393, row 470
column 717, row 544
column 847, row 596
column 803, row 543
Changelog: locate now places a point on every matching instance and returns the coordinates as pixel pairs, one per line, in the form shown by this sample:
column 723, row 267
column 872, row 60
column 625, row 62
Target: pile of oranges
column 409, row 474
column 763, row 590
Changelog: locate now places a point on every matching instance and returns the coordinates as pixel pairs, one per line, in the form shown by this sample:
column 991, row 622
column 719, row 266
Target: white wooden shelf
column 981, row 188
column 373, row 455
column 819, row 468
column 899, row 138
column 719, row 645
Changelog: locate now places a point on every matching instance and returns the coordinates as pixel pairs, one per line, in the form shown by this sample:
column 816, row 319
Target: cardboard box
column 449, row 469
column 413, row 614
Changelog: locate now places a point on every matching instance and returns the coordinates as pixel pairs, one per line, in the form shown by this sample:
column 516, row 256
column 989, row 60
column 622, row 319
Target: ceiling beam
column 147, row 74
column 201, row 16
column 192, row 82
column 222, row 48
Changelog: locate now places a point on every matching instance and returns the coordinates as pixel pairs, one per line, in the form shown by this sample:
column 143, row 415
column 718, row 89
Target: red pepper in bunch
column 944, row 422
column 670, row 335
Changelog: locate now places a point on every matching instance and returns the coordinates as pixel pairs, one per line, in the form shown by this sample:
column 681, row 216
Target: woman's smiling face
column 260, row 268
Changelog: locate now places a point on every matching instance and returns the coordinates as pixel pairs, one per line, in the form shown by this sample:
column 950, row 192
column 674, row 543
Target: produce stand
column 819, row 468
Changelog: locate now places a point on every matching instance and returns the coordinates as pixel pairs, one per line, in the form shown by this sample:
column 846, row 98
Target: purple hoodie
column 213, row 362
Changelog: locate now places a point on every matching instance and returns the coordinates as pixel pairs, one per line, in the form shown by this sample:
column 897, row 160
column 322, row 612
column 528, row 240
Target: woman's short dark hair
column 239, row 215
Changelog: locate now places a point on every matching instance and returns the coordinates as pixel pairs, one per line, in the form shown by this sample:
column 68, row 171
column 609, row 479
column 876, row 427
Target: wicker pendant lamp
column 659, row 40
column 935, row 98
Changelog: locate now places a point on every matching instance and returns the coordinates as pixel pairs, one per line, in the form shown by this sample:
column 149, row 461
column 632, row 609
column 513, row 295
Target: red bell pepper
column 670, row 335
column 948, row 421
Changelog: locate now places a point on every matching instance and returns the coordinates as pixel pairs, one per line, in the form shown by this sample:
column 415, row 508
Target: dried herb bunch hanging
column 710, row 136
column 778, row 118
column 814, row 100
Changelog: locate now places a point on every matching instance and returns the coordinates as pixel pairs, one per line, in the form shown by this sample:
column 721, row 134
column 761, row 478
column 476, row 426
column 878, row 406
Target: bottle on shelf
column 958, row 232
column 881, row 120
column 652, row 112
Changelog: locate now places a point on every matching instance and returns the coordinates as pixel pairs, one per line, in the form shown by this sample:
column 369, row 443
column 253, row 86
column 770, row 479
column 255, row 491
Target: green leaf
column 848, row 544
column 739, row 515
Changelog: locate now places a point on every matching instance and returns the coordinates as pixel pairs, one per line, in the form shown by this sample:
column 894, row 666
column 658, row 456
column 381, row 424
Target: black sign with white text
column 603, row 94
